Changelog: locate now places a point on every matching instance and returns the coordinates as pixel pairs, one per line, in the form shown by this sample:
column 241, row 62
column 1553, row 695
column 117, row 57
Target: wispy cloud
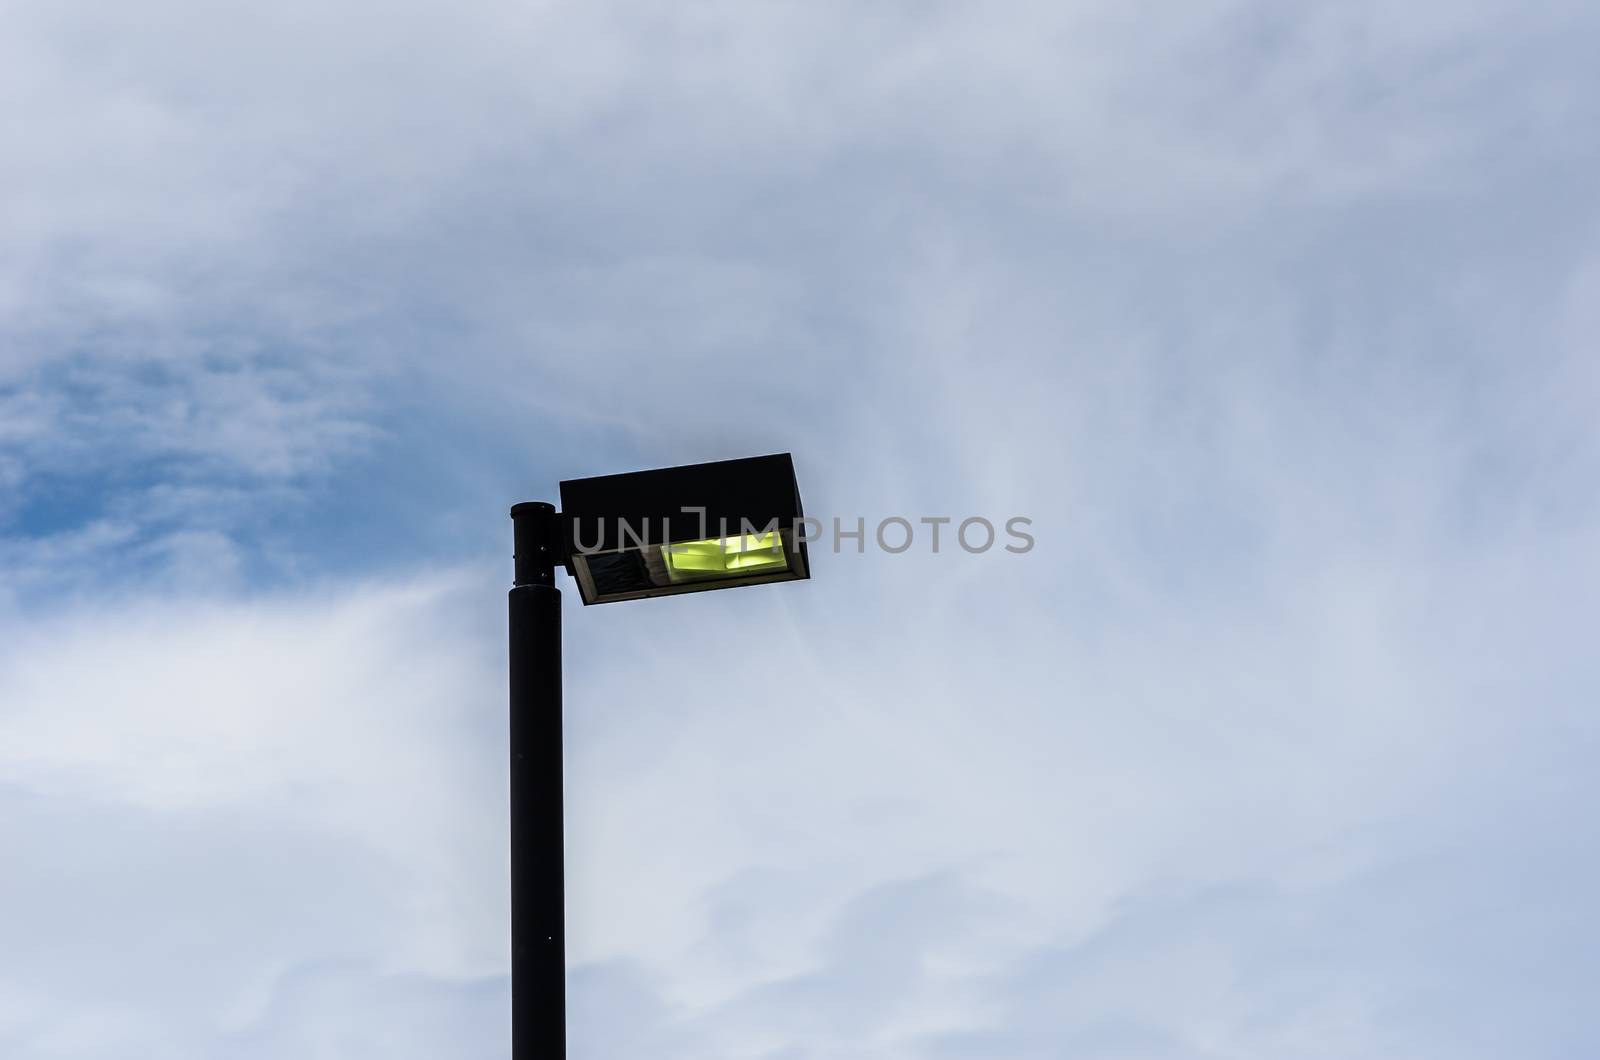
column 1277, row 321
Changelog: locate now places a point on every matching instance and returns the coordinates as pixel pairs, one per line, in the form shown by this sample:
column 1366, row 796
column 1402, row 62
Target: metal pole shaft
column 538, row 923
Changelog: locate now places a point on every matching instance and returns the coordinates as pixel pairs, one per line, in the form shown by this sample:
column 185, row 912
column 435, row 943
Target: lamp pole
column 538, row 922
column 759, row 491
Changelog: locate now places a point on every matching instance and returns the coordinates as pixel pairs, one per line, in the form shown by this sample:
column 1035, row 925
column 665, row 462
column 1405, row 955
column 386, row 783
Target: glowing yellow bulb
column 723, row 557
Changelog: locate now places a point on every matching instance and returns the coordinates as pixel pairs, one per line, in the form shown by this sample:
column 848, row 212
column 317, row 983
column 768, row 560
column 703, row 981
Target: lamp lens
column 721, row 557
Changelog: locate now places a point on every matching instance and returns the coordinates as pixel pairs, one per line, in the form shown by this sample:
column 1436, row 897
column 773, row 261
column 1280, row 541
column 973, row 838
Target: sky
column 1276, row 319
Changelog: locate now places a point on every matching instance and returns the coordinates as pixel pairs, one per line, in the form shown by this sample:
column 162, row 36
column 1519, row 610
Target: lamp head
column 683, row 529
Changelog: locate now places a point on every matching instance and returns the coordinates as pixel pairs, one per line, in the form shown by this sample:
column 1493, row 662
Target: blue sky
column 1277, row 320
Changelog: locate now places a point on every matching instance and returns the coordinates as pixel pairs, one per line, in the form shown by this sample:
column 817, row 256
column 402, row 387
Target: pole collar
column 534, row 532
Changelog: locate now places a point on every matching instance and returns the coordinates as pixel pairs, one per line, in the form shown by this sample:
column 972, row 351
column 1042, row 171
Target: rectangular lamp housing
column 683, row 529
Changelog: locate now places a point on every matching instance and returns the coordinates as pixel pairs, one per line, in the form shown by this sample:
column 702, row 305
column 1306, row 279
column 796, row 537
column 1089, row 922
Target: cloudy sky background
column 1278, row 320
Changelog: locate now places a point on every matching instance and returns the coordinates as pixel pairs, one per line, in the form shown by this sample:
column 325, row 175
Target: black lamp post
column 622, row 537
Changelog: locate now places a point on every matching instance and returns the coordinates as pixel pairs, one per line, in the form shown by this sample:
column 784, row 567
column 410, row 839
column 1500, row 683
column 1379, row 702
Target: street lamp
column 621, row 537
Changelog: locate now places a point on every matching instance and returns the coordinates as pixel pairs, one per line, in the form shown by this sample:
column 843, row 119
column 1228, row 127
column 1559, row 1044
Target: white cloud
column 1275, row 321
column 803, row 848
